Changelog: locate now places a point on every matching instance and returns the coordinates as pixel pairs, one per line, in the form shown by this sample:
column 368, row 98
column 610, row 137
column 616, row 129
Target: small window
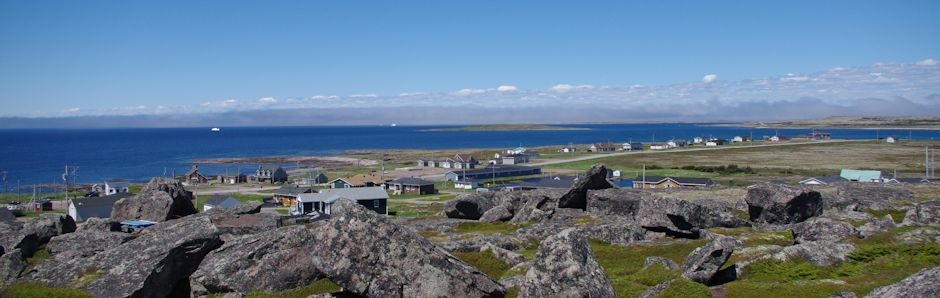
column 375, row 204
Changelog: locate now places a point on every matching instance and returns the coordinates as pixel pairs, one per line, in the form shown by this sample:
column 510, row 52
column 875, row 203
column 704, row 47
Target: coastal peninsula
column 900, row 122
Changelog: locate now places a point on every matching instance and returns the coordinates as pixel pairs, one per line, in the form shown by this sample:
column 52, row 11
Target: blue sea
column 39, row 156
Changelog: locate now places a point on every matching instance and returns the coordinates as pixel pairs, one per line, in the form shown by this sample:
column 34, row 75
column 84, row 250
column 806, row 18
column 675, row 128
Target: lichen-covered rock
column 564, row 266
column 251, row 207
column 498, row 213
column 160, row 200
column 507, row 256
column 875, row 197
column 653, row 292
column 923, row 214
column 99, row 225
column 920, row 236
column 616, row 232
column 674, row 217
column 703, row 264
column 595, row 178
column 822, row 229
column 877, row 226
column 535, row 205
column 666, row 263
column 155, row 264
column 12, row 264
column 819, row 253
column 29, row 235
column 475, row 243
column 471, row 206
column 278, row 260
column 366, row 254
column 925, row 283
column 85, row 243
column 782, row 204
column 47, row 226
column 244, row 224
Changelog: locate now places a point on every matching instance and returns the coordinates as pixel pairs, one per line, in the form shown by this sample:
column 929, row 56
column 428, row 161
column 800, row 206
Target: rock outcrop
column 595, row 178
column 862, row 197
column 277, row 260
column 367, row 255
column 564, row 266
column 704, row 263
column 877, row 226
column 822, row 229
column 674, row 217
column 819, row 253
column 244, row 224
column 616, row 232
column 505, row 255
column 498, row 213
column 782, row 204
column 923, row 214
column 160, row 200
column 85, row 243
column 925, row 283
column 471, row 206
column 666, row 263
column 158, row 263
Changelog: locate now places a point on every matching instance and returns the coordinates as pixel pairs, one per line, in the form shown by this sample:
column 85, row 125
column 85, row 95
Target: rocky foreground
column 240, row 251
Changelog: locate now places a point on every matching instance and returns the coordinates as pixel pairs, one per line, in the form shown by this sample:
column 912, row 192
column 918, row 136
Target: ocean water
column 39, row 156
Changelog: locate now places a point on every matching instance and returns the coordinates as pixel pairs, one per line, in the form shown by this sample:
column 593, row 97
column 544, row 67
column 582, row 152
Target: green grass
column 38, row 290
column 320, row 286
column 405, row 209
column 40, row 255
column 485, row 261
column 486, row 228
column 624, row 265
column 775, row 238
column 896, row 215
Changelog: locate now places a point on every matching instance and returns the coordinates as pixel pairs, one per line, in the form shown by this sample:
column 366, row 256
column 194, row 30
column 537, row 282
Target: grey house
column 84, row 208
column 220, row 201
column 373, row 198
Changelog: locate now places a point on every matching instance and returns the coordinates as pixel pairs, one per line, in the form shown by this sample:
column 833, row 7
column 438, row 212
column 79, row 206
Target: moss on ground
column 38, row 290
column 485, row 262
column 896, row 215
column 487, row 228
column 624, row 264
column 320, row 286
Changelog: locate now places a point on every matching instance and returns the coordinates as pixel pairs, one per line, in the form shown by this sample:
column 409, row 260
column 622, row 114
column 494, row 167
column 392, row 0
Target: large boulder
column 160, row 200
column 29, row 235
column 782, row 204
column 822, row 229
column 819, row 253
column 505, row 255
column 674, row 217
column 244, row 224
column 620, row 232
column 535, row 205
column 498, row 213
column 876, row 197
column 565, row 266
column 595, row 178
column 925, row 283
column 476, row 243
column 12, row 264
column 367, row 255
column 471, row 206
column 157, row 263
column 278, row 260
column 877, row 226
column 85, row 243
column 704, row 263
column 923, row 214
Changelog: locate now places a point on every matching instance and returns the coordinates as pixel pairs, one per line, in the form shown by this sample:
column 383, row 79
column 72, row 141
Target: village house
column 715, row 142
column 866, row 176
column 514, row 159
column 82, row 209
column 776, row 138
column 286, row 195
column 193, row 177
column 603, row 147
column 670, row 182
column 115, row 186
column 632, row 146
column 314, row 178
column 698, row 140
column 739, row 139
column 359, row 180
column 825, row 180
column 676, row 143
column 410, row 185
column 373, row 198
column 891, row 140
column 493, row 172
column 219, row 201
column 233, row 179
column 467, row 184
column 568, row 150
column 270, row 174
column 658, row 146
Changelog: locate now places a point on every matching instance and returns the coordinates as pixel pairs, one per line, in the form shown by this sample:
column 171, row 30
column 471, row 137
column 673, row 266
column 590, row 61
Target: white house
column 220, row 201
column 115, row 186
column 658, row 146
column 738, row 139
column 467, row 184
column 630, row 146
column 891, row 140
column 677, row 143
column 568, row 150
column 698, row 140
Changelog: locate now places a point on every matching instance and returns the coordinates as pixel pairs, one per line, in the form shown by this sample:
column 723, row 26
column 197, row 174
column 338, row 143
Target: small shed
column 410, row 185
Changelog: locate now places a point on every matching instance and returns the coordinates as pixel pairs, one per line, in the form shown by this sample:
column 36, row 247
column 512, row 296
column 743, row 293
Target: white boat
column 216, row 129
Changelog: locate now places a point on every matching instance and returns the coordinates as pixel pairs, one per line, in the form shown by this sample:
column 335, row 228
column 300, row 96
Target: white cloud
column 506, row 88
column 369, row 95
column 927, row 62
column 72, row 110
column 562, row 88
column 792, row 78
column 229, row 102
column 709, row 78
column 267, row 100
column 465, row 92
column 403, row 94
column 206, row 104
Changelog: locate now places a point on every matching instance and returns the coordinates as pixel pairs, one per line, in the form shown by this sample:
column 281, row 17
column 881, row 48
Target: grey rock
column 819, row 253
column 576, row 197
column 99, row 225
column 471, row 206
column 675, row 217
column 505, row 255
column 29, row 235
column 920, row 236
column 666, row 263
column 278, row 260
column 47, row 226
column 653, row 292
column 925, row 283
column 158, row 263
column 243, row 224
column 6, row 215
column 876, row 197
column 845, row 294
column 703, row 264
column 535, row 205
column 498, row 213
column 85, row 243
column 564, row 266
column 616, row 232
column 475, row 243
column 782, row 204
column 877, row 226
column 923, row 214
column 160, row 200
column 12, row 264
column 366, row 254
column 822, row 229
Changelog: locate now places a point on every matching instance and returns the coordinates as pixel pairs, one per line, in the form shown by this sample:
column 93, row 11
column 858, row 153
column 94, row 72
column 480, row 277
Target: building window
column 375, row 204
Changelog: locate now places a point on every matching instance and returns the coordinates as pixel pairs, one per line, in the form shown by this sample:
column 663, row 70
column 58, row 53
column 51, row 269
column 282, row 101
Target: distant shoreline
column 507, row 127
column 771, row 126
column 850, row 122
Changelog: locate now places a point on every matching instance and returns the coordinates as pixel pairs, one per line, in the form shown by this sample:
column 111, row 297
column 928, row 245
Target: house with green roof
column 861, row 175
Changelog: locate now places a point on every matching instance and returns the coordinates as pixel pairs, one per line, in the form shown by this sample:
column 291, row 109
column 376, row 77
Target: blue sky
column 63, row 58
